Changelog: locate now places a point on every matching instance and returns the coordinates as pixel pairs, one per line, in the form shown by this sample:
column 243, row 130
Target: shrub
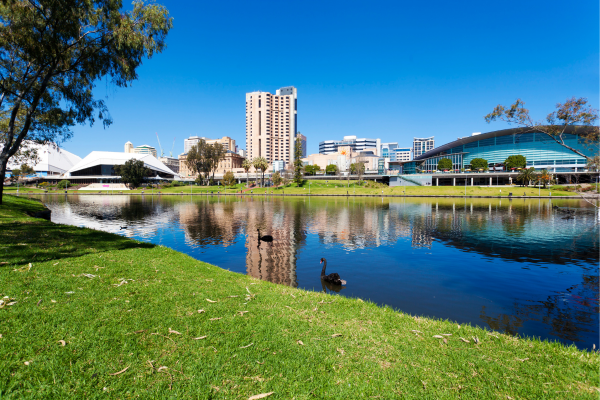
column 43, row 184
column 63, row 184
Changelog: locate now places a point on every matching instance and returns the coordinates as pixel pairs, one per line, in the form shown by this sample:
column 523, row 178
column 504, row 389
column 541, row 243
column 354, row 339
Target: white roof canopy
column 114, row 158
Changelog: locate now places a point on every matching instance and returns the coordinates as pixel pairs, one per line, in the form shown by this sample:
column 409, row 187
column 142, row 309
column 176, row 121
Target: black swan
column 331, row 278
column 266, row 238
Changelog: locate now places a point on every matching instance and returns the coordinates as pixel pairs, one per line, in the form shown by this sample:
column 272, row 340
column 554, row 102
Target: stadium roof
column 474, row 138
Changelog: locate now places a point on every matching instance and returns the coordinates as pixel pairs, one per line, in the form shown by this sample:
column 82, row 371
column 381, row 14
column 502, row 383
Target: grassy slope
column 253, row 348
column 340, row 187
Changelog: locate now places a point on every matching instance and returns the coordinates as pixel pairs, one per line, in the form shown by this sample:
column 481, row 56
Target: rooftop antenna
column 172, row 147
column 162, row 154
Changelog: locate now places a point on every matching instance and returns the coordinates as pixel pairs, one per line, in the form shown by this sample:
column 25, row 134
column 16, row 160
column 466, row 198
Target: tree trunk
column 2, row 177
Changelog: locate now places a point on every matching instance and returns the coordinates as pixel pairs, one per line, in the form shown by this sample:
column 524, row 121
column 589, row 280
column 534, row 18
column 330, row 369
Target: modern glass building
column 540, row 151
column 356, row 144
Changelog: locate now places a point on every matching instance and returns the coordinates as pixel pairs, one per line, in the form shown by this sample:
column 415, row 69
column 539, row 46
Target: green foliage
column 229, row 179
column 357, row 167
column 444, row 164
column 311, row 169
column 15, row 175
column 514, row 162
column 132, row 172
column 479, row 163
column 176, row 183
column 43, row 184
column 544, row 177
column 63, row 184
column 277, row 179
column 298, row 166
column 54, row 52
column 203, row 159
column 27, row 170
column 574, row 116
column 246, row 164
column 527, row 175
column 261, row 164
column 331, row 169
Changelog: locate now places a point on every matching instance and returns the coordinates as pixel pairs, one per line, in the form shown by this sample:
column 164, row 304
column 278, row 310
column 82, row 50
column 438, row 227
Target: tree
column 246, row 164
column 311, row 169
column 63, row 184
column 15, row 175
column 216, row 153
column 199, row 160
column 132, row 172
column 514, row 162
column 593, row 164
column 229, row 179
column 575, row 116
column 526, row 176
column 261, row 163
column 358, row 168
column 277, row 179
column 479, row 163
column 331, row 169
column 544, row 177
column 298, row 166
column 52, row 53
column 444, row 164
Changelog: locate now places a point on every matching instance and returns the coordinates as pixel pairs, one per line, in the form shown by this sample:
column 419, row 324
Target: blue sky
column 390, row 70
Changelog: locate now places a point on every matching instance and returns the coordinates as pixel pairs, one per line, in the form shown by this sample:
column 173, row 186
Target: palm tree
column 526, row 176
column 246, row 164
column 261, row 163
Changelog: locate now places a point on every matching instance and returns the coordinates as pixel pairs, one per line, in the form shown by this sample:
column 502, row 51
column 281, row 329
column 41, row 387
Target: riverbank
column 128, row 315
column 339, row 188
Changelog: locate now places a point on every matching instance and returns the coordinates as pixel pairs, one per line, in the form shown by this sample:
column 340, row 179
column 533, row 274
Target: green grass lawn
column 95, row 315
column 342, row 188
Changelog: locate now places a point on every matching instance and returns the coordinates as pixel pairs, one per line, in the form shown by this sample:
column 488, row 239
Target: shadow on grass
column 42, row 241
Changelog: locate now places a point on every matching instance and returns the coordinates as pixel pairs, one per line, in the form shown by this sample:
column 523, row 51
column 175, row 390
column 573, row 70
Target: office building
column 171, row 162
column 227, row 142
column 145, row 149
column 271, row 124
column 422, row 145
column 356, row 144
column 302, row 144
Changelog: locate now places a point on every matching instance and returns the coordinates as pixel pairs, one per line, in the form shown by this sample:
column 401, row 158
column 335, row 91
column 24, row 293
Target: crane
column 162, row 154
column 172, row 147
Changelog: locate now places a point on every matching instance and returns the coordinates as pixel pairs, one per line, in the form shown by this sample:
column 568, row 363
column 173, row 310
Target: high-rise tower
column 271, row 124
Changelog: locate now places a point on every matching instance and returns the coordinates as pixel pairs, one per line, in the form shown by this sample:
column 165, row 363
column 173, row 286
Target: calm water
column 513, row 266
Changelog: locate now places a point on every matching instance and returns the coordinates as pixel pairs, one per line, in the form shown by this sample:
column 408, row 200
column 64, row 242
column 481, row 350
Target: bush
column 43, row 184
column 176, row 183
column 63, row 184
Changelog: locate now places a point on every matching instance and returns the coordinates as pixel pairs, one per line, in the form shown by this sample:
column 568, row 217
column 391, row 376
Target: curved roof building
column 99, row 164
column 540, row 151
column 51, row 160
